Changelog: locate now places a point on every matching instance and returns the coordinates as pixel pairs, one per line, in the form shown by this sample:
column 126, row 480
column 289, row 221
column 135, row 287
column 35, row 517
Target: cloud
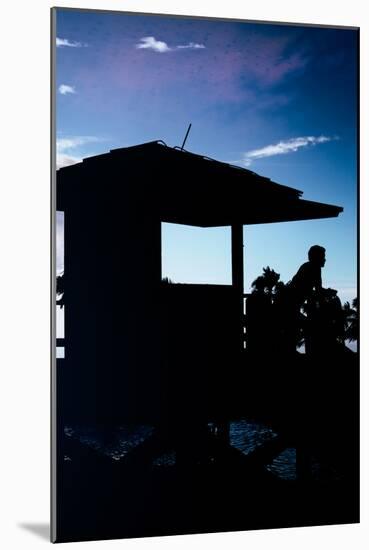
column 64, row 42
column 64, row 157
column 66, row 89
column 66, row 160
column 284, row 147
column 191, row 46
column 150, row 43
column 64, row 144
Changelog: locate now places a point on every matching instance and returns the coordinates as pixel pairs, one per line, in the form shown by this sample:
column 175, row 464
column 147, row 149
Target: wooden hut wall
column 112, row 272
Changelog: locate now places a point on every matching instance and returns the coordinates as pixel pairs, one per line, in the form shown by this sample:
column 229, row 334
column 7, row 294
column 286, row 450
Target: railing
column 60, row 342
column 244, row 329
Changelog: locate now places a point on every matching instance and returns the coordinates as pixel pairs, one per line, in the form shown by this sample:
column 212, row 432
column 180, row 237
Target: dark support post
column 237, row 257
column 237, row 283
column 237, row 275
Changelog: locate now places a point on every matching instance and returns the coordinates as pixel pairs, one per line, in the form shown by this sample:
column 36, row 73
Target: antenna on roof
column 184, row 141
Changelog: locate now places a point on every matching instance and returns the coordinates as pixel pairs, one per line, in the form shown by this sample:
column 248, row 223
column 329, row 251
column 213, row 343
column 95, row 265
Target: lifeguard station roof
column 187, row 188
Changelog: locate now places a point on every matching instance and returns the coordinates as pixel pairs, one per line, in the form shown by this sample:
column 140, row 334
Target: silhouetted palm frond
column 351, row 323
column 271, row 279
column 60, row 284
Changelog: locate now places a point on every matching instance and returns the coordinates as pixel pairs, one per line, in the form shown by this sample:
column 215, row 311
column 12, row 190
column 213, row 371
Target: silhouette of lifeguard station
column 137, row 348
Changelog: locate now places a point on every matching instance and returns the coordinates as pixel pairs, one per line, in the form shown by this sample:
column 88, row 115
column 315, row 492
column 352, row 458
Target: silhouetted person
column 307, row 283
column 305, row 287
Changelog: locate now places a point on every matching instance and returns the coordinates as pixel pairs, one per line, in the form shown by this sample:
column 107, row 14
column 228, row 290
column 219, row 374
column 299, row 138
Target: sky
column 280, row 100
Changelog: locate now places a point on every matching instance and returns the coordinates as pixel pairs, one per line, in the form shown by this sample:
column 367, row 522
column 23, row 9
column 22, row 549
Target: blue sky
column 280, row 100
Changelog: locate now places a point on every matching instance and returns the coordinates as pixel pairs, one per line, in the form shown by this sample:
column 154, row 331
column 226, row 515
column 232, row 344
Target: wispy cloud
column 66, row 89
column 284, row 147
column 65, row 149
column 150, row 43
column 64, row 144
column 65, row 43
column 191, row 46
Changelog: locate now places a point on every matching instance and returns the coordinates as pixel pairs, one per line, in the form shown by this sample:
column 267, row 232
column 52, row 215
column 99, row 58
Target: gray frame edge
column 53, row 373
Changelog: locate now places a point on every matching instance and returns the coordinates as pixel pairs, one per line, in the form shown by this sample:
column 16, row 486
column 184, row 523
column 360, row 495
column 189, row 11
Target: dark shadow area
column 42, row 530
column 188, row 408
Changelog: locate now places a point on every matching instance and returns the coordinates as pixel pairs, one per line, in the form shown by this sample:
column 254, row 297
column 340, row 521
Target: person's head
column 316, row 255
